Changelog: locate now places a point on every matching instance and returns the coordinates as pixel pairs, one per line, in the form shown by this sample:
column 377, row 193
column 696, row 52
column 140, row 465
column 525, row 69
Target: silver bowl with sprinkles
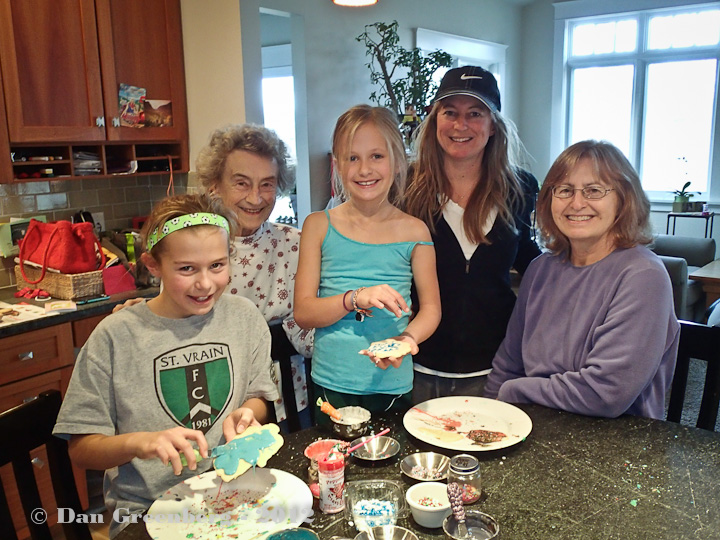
column 426, row 466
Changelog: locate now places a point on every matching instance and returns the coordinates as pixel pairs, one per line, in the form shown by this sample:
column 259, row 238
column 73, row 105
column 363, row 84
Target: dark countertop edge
column 83, row 311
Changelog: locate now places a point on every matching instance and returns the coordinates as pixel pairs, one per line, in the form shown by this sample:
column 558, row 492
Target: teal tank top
column 347, row 264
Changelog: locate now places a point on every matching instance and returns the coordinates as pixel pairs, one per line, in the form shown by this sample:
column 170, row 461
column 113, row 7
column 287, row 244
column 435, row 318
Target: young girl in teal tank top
column 357, row 262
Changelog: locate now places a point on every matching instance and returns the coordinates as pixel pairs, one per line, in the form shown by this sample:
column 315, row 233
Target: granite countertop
column 574, row 478
column 83, row 311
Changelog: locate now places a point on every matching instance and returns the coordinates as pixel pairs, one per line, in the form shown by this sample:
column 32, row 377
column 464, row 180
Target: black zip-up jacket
column 476, row 295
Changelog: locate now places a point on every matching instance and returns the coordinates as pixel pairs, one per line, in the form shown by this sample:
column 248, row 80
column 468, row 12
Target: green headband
column 188, row 220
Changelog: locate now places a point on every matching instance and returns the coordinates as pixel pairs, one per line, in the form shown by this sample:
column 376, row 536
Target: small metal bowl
column 354, row 423
column 388, row 532
column 480, row 526
column 376, row 450
column 426, row 466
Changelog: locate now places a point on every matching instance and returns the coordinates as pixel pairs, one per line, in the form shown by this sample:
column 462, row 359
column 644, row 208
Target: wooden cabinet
column 62, row 62
column 39, row 351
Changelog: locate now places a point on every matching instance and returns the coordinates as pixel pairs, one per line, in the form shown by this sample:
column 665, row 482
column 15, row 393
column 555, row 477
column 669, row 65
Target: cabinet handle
column 116, row 121
column 100, row 121
column 39, row 463
column 23, row 356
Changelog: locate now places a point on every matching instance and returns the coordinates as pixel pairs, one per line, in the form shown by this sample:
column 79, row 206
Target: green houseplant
column 682, row 198
column 404, row 76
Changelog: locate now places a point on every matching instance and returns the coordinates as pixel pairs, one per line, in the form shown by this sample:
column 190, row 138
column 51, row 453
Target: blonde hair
column 180, row 205
column 386, row 123
column 499, row 186
column 210, row 163
column 632, row 223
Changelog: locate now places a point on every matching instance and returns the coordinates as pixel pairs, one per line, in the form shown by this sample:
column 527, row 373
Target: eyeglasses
column 591, row 192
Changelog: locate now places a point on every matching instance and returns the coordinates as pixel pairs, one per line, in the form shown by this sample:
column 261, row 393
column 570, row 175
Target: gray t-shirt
column 142, row 372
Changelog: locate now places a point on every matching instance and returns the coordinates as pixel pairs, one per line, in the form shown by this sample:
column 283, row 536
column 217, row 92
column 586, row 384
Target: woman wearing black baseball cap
column 467, row 185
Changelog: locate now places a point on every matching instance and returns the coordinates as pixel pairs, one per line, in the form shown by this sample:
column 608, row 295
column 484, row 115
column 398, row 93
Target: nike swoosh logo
column 466, row 77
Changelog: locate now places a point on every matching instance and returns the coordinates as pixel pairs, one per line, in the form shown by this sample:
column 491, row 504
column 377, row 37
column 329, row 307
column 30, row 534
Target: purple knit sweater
column 599, row 340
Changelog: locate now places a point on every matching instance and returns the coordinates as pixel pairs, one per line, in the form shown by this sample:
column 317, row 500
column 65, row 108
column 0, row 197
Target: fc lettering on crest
column 194, row 383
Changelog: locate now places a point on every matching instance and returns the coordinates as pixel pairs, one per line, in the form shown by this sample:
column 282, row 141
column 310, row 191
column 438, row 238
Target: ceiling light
column 355, row 3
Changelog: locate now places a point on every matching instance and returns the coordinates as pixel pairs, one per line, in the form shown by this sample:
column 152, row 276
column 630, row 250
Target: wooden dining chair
column 23, row 429
column 701, row 342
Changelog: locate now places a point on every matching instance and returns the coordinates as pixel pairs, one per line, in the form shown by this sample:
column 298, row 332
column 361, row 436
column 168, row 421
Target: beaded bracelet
column 360, row 313
column 354, row 298
column 344, row 297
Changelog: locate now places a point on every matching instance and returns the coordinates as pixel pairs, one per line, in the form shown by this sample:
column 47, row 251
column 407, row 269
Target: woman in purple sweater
column 593, row 330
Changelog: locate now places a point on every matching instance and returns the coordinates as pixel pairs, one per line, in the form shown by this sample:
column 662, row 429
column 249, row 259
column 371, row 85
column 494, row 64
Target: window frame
column 570, row 14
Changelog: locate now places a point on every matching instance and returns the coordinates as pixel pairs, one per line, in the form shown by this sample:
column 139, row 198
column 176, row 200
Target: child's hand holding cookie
column 390, row 352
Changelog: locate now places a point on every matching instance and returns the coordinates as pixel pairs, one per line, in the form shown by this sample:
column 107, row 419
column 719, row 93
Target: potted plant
column 404, row 76
column 682, row 198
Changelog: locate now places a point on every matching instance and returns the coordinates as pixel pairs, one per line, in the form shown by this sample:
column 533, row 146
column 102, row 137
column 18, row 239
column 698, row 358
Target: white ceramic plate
column 466, row 413
column 259, row 502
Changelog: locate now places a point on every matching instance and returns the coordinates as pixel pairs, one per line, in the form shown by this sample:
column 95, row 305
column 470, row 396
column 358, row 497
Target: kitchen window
column 647, row 82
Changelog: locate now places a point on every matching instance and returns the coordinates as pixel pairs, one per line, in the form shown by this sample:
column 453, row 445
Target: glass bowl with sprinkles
column 426, row 466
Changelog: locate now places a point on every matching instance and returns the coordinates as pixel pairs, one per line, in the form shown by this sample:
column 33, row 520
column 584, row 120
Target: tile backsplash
column 119, row 198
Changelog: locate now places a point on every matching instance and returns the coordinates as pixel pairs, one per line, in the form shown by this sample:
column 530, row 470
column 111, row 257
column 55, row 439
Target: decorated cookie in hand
column 253, row 447
column 388, row 348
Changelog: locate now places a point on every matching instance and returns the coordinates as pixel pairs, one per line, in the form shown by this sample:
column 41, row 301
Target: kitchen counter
column 83, row 311
column 573, row 477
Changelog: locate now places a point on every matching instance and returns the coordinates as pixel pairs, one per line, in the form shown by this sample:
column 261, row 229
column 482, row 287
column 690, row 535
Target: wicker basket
column 63, row 286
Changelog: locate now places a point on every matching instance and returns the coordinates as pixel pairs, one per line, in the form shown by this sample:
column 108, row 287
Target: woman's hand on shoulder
column 127, row 303
column 168, row 444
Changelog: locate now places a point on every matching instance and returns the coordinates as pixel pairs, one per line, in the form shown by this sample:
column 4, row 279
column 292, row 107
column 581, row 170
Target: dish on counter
column 467, row 423
column 258, row 502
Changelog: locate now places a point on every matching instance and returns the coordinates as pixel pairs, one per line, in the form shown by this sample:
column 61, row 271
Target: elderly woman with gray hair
column 246, row 165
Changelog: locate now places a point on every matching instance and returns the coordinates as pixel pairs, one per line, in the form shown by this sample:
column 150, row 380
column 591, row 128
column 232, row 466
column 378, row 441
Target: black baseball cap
column 470, row 81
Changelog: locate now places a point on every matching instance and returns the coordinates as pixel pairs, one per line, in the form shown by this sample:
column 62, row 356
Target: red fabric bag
column 61, row 245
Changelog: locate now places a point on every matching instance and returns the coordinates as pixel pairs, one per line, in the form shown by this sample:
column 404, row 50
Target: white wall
column 336, row 74
column 213, row 68
column 535, row 83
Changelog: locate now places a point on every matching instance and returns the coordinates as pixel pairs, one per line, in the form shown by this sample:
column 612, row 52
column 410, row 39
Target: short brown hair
column 180, row 205
column 210, row 163
column 632, row 223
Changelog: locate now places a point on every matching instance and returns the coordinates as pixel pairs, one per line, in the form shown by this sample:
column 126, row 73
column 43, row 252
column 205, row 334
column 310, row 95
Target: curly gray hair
column 254, row 138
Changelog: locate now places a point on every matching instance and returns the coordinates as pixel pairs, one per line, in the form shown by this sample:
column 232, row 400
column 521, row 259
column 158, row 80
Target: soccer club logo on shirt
column 194, row 383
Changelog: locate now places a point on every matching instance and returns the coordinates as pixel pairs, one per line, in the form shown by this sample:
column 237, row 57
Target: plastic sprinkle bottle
column 465, row 470
column 331, row 480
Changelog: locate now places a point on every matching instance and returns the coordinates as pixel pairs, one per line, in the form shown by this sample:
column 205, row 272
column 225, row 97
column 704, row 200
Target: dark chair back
column 22, row 429
column 702, row 343
column 281, row 351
